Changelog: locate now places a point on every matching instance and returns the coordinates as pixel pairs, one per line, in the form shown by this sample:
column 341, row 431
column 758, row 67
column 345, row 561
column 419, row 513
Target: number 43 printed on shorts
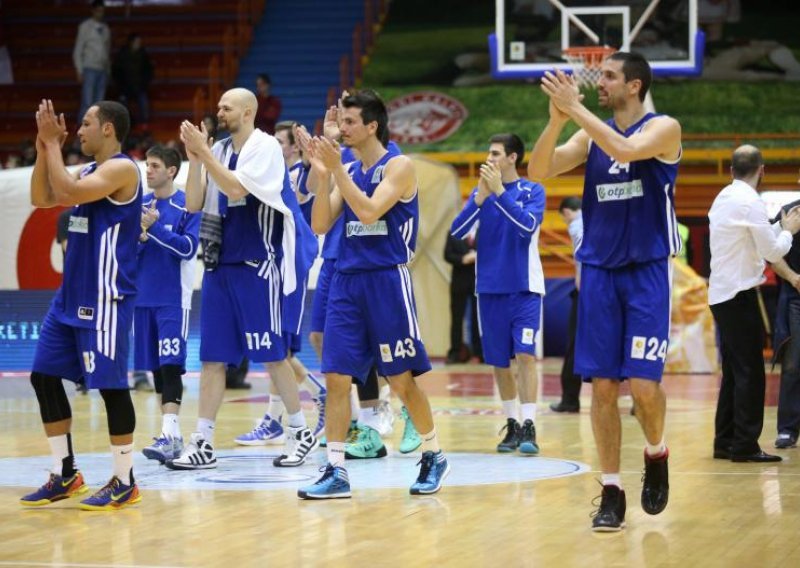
column 402, row 349
column 648, row 348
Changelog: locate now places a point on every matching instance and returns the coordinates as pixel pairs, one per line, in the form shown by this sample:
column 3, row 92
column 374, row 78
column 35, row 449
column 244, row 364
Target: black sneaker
column 655, row 486
column 511, row 441
column 786, row 440
column 527, row 439
column 610, row 517
column 565, row 408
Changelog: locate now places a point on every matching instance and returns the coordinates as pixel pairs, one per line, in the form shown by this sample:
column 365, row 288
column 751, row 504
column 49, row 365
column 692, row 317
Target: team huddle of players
column 245, row 200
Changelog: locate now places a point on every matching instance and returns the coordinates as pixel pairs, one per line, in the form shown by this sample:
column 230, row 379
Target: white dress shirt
column 741, row 238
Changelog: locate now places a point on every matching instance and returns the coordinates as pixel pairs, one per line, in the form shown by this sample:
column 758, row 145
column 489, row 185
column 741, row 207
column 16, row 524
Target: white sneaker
column 299, row 443
column 198, row 454
column 385, row 422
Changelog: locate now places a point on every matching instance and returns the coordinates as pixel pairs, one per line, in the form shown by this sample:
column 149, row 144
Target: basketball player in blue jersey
column 630, row 233
column 85, row 332
column 269, row 430
column 167, row 257
column 371, row 315
column 510, row 283
column 253, row 284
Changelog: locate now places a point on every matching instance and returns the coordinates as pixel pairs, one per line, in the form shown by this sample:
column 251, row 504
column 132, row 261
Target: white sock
column 510, row 409
column 336, row 454
column 276, row 407
column 611, row 479
column 430, row 442
column 385, row 392
column 206, row 429
column 657, row 449
column 355, row 407
column 528, row 411
column 297, row 420
column 59, row 449
column 170, row 425
column 123, row 462
column 313, row 385
column 369, row 417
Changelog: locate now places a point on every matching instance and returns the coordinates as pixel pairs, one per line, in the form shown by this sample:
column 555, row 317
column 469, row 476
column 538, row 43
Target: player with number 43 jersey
column 167, row 256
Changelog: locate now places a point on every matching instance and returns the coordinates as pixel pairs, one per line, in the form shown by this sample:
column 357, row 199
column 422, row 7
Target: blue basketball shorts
column 624, row 321
column 319, row 304
column 293, row 342
column 240, row 315
column 372, row 320
column 159, row 337
column 99, row 356
column 508, row 325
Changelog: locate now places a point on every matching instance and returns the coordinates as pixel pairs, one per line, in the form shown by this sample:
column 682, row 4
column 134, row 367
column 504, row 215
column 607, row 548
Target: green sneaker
column 367, row 445
column 352, row 434
column 411, row 440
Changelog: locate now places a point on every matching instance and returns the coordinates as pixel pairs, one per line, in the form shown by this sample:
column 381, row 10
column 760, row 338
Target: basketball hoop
column 586, row 62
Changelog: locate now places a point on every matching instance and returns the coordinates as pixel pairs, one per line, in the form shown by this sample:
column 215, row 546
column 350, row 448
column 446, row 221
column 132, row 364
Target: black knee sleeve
column 171, row 383
column 158, row 381
column 369, row 390
column 119, row 411
column 53, row 402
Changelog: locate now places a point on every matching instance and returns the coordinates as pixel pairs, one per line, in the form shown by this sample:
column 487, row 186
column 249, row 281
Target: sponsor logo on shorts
column 78, row 224
column 237, row 202
column 358, row 229
column 527, row 336
column 386, row 353
column 637, row 347
column 620, row 191
column 85, row 313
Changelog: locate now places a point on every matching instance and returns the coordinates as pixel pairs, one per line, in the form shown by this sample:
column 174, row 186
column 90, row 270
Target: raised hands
column 324, row 154
column 149, row 215
column 51, row 128
column 491, row 178
column 195, row 140
column 563, row 92
column 330, row 127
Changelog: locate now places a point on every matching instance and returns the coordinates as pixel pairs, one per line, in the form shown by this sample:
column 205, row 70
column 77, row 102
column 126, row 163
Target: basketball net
column 586, row 63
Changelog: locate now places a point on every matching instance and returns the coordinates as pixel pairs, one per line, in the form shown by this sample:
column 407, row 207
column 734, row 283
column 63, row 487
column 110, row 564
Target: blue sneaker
column 432, row 473
column 268, row 431
column 319, row 401
column 164, row 448
column 115, row 495
column 56, row 489
column 334, row 484
column 411, row 439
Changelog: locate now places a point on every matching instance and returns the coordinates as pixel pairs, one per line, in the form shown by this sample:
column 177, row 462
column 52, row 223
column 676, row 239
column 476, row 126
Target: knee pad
column 119, row 411
column 53, row 402
column 369, row 390
column 158, row 381
column 172, row 384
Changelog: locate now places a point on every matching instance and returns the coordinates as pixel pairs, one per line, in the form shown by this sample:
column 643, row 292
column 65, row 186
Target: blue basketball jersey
column 298, row 174
column 507, row 238
column 251, row 230
column 391, row 240
column 167, row 259
column 100, row 262
column 628, row 208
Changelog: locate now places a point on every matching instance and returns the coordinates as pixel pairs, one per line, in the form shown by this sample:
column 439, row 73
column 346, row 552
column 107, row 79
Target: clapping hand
column 563, row 91
column 195, row 140
column 149, row 215
column 51, row 128
column 327, row 152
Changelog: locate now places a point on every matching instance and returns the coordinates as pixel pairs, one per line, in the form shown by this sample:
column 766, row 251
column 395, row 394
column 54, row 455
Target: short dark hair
column 170, row 156
column 373, row 109
column 116, row 114
column 286, row 125
column 572, row 203
column 635, row 66
column 264, row 77
column 511, row 144
column 746, row 161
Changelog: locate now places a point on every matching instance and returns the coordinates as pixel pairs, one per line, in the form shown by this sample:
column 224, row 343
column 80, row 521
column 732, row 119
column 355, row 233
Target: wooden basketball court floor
column 494, row 511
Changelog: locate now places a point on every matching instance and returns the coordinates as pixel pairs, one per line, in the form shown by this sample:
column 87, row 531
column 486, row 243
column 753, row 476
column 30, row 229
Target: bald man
column 251, row 224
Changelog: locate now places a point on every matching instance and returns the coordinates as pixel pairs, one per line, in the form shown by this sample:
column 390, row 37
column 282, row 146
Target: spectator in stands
column 28, row 152
column 741, row 237
column 269, row 106
column 462, row 255
column 570, row 211
column 12, row 161
column 133, row 71
column 210, row 120
column 92, row 57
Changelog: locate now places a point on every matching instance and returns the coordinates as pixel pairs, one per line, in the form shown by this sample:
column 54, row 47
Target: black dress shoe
column 758, row 457
column 722, row 454
column 568, row 408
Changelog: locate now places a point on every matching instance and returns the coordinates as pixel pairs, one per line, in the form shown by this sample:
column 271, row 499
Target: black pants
column 789, row 398
column 459, row 296
column 570, row 382
column 740, row 407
